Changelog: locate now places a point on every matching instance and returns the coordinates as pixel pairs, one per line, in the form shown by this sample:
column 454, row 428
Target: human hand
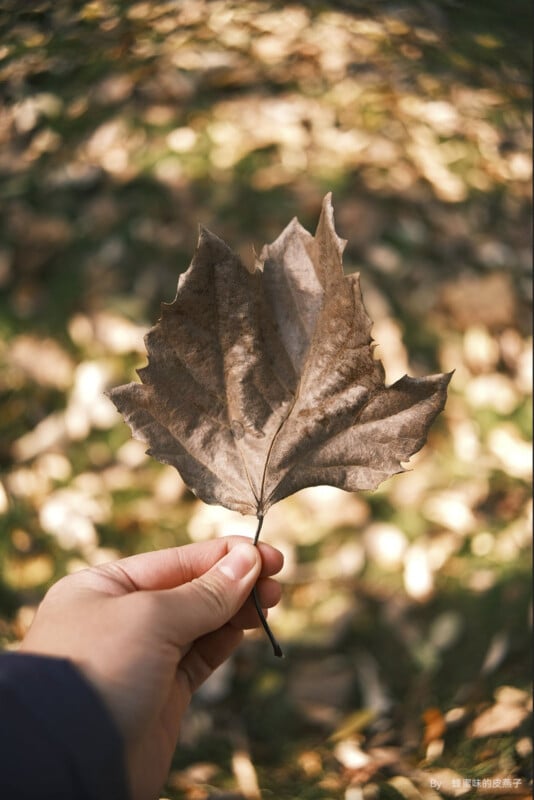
column 149, row 629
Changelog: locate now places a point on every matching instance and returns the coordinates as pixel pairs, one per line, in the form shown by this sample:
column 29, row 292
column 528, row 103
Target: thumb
column 211, row 600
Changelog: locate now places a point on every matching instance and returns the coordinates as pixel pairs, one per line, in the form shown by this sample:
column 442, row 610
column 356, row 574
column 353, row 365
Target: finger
column 248, row 618
column 211, row 600
column 269, row 593
column 165, row 569
column 206, row 654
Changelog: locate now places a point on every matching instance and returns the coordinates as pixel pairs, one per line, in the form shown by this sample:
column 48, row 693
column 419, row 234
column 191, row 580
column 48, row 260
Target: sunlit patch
column 60, row 517
column 466, row 439
column 27, row 572
column 169, row 487
column 513, row 452
column 4, row 501
column 350, row 754
column 210, row 521
column 88, row 406
column 481, row 349
column 492, row 391
column 482, row 543
column 386, row 544
column 450, row 509
column 132, row 453
column 418, row 576
column 328, row 507
column 69, row 515
column 28, row 483
column 181, row 140
column 390, row 348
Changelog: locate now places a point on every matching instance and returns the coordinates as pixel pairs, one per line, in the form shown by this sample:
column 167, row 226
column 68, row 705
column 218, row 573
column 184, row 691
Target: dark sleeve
column 57, row 739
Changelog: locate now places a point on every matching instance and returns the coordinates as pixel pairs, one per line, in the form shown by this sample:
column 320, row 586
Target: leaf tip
column 208, row 241
column 326, row 225
column 204, row 235
column 213, row 252
column 111, row 394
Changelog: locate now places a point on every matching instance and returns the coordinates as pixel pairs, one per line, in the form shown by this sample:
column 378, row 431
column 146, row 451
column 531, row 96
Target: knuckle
column 59, row 588
column 116, row 573
column 195, row 669
column 213, row 594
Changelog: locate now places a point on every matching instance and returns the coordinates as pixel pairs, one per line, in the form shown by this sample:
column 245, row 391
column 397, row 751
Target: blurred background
column 406, row 612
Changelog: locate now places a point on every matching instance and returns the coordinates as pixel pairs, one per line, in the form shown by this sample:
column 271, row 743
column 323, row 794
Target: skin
column 148, row 630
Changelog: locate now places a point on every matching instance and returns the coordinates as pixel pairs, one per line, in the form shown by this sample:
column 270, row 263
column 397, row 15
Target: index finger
column 173, row 566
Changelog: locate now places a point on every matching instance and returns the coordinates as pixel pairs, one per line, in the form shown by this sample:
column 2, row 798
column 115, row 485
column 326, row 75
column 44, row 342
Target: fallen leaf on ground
column 499, row 718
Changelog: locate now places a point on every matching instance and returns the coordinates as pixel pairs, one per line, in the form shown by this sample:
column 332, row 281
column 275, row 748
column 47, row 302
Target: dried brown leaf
column 499, row 718
column 261, row 382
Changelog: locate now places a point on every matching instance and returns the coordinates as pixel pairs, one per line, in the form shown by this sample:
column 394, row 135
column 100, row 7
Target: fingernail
column 239, row 561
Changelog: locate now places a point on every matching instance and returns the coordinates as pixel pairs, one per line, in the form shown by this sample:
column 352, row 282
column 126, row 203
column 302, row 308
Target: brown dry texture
column 263, row 383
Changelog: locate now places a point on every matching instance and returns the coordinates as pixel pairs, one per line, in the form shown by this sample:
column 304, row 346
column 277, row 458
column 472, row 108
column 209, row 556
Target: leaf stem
column 276, row 647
